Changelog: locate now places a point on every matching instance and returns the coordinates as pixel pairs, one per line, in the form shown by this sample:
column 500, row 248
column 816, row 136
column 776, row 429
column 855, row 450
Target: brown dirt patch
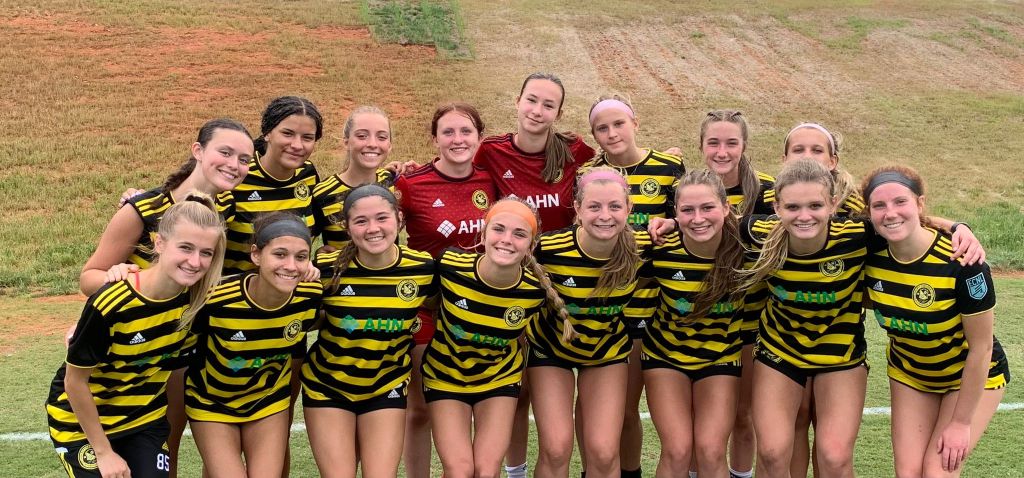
column 1008, row 274
column 44, row 319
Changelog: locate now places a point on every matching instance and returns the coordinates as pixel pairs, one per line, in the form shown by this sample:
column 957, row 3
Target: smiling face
column 457, row 138
column 804, row 209
column 722, row 148
column 185, row 255
column 895, row 211
column 224, row 161
column 701, row 212
column 507, row 239
column 603, row 210
column 281, row 262
column 369, row 141
column 615, row 131
column 538, row 106
column 810, row 143
column 373, row 224
column 292, row 141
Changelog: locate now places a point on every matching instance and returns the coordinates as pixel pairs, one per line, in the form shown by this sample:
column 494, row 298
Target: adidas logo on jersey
column 570, row 282
column 238, row 337
column 438, row 203
column 462, row 304
column 508, row 174
column 394, row 394
column 878, row 286
column 446, row 228
column 679, row 276
column 347, row 291
column 642, row 324
column 138, row 339
column 255, row 196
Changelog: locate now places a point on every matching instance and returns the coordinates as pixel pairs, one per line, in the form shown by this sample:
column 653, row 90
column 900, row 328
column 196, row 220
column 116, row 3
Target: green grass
column 28, row 370
column 422, row 22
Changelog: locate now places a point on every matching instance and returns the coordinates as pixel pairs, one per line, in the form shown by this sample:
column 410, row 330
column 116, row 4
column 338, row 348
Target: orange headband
column 513, row 207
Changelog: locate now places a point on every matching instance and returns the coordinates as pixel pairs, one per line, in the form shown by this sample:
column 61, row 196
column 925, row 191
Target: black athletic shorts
column 471, row 399
column 397, row 397
column 144, row 449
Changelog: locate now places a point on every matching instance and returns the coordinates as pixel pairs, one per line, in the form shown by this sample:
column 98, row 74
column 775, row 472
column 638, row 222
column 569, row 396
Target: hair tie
column 602, row 175
column 610, row 104
column 513, row 207
column 286, row 226
column 891, row 177
column 827, row 133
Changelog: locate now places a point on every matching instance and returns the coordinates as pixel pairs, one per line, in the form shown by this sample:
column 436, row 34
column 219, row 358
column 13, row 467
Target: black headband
column 891, row 177
column 285, row 227
column 368, row 190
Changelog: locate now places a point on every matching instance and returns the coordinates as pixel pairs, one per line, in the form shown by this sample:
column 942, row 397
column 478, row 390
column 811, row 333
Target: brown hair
column 347, row 253
column 557, row 154
column 911, row 174
column 749, row 184
column 723, row 280
column 199, row 210
column 461, row 108
column 620, row 269
column 776, row 246
column 206, row 133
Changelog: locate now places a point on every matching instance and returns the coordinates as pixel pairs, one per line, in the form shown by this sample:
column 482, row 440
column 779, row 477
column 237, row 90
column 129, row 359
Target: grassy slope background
column 103, row 95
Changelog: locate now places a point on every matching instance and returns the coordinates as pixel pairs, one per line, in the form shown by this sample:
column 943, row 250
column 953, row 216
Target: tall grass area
column 422, row 22
column 29, row 362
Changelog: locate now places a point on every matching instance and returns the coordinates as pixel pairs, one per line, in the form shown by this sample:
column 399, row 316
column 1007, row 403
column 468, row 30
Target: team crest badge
column 559, row 176
column 514, row 315
column 87, row 458
column 407, row 290
column 831, row 268
column 650, row 187
column 417, row 324
column 480, row 199
column 977, row 287
column 924, row 295
column 291, row 331
column 301, row 191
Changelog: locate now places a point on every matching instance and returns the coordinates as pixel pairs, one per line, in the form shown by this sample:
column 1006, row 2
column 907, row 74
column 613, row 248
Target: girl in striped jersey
column 238, row 394
column 106, row 408
column 812, row 326
column 691, row 351
column 650, row 175
column 473, row 366
column 593, row 267
column 947, row 372
column 355, row 380
column 367, row 137
column 723, row 145
column 219, row 162
column 444, row 203
column 281, row 177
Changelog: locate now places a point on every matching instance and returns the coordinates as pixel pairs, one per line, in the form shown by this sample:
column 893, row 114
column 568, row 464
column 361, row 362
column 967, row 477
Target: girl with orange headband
column 593, row 266
column 473, row 366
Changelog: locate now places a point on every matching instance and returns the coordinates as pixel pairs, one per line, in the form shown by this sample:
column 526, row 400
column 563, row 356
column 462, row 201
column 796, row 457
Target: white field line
column 300, row 427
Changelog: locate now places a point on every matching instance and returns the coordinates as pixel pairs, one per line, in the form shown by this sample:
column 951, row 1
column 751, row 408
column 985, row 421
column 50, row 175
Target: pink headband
column 831, row 142
column 602, row 175
column 610, row 104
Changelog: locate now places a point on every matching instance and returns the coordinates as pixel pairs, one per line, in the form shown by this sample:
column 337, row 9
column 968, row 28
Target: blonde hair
column 200, row 210
column 845, row 184
column 620, row 269
column 775, row 249
column 602, row 156
column 351, row 121
column 749, row 183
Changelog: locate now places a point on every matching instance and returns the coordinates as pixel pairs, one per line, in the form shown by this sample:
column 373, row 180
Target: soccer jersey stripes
column 517, row 172
column 476, row 347
column 851, row 206
column 921, row 305
column 814, row 315
column 363, row 348
column 328, row 196
column 151, row 206
column 261, row 193
column 243, row 366
column 677, row 337
column 127, row 339
column 597, row 317
column 764, row 201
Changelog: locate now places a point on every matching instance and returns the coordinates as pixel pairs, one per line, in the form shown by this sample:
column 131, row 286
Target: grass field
column 101, row 95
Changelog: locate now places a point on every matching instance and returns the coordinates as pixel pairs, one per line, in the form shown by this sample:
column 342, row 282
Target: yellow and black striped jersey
column 651, row 189
column 765, row 200
column 243, row 366
column 328, row 196
column 127, row 339
column 151, row 206
column 363, row 347
column 814, row 315
column 598, row 319
column 476, row 348
column 853, row 205
column 676, row 337
column 921, row 305
column 261, row 193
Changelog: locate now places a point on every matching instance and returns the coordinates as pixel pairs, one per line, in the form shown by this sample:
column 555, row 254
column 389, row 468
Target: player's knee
column 773, row 457
column 909, row 470
column 676, row 457
column 603, row 456
column 557, row 451
column 710, row 451
column 833, row 457
column 461, row 467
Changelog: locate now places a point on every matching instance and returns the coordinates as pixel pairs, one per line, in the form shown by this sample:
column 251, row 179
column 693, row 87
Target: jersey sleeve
column 975, row 291
column 91, row 342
